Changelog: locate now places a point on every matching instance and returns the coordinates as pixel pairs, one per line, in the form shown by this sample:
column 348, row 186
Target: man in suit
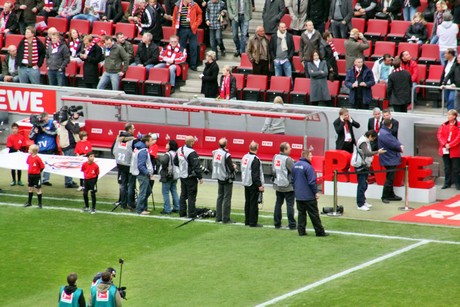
column 449, row 95
column 399, row 87
column 343, row 126
column 375, row 123
column 341, row 12
column 9, row 67
column 359, row 80
column 394, row 123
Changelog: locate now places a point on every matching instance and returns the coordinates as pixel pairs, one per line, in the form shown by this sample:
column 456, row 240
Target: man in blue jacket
column 390, row 159
column 360, row 80
column 306, row 194
column 141, row 166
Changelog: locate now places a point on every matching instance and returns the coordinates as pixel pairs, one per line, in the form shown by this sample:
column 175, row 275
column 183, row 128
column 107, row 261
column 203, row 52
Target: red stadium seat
column 71, row 72
column 367, row 52
column 279, row 86
column 429, row 54
column 300, row 91
column 245, row 66
column 59, row 23
column 128, row 29
column 124, row 5
column 382, row 47
column 240, row 84
column 12, row 39
column 167, row 32
column 82, row 26
column 398, row 30
column 158, row 83
column 379, row 93
column 334, row 87
column 133, row 80
column 377, row 29
column 412, row 48
column 359, row 23
column 434, row 75
column 298, row 69
column 256, row 85
column 342, row 68
column 421, row 73
column 287, row 20
column 339, row 44
column 296, row 39
column 99, row 26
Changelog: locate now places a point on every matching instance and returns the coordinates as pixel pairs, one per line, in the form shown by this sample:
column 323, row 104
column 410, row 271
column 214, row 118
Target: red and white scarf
column 225, row 88
column 73, row 46
column 398, row 69
column 55, row 45
column 331, row 44
column 93, row 42
column 4, row 20
column 179, row 12
column 34, row 51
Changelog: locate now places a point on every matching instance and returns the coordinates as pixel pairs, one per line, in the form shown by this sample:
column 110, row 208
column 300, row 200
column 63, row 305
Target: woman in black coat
column 227, row 84
column 91, row 55
column 209, row 86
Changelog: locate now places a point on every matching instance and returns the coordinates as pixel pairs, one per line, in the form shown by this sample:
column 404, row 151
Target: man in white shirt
column 449, row 95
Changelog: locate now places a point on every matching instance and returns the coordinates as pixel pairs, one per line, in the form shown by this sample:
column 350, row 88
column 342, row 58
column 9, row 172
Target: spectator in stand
column 15, row 143
column 75, row 44
column 386, row 114
column 417, row 31
column 258, row 53
column 449, row 95
column 318, row 12
column 454, row 78
column 50, row 9
column 51, row 32
column 147, row 53
column 113, row 11
column 382, row 69
column 355, row 48
column 126, row 45
column 82, row 148
column 343, row 126
column 169, row 8
column 275, row 125
column 392, row 8
column 169, row 174
column 145, row 23
column 240, row 13
column 69, row 9
column 186, row 19
column 360, row 80
column 214, row 12
column 158, row 21
column 9, row 66
column 8, row 20
column 29, row 66
column 281, row 51
column 449, row 149
column 298, row 12
column 441, row 8
column 318, row 71
column 57, row 59
column 209, row 86
column 366, row 9
column 26, row 11
column 330, row 55
column 92, row 11
column 447, row 35
column 310, row 41
column 170, row 57
column 271, row 15
column 227, row 84
column 410, row 8
column 340, row 14
column 116, row 64
column 399, row 87
column 91, row 55
column 133, row 12
column 410, row 65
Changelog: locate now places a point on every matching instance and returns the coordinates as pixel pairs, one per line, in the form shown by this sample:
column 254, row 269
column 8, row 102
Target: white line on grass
column 344, row 273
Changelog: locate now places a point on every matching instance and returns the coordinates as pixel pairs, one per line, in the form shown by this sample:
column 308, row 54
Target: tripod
column 121, row 290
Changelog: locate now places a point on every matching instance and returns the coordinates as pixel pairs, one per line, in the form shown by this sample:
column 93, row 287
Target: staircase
column 192, row 86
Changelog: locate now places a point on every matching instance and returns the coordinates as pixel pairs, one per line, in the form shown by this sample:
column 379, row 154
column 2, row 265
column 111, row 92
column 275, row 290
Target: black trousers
column 310, row 207
column 388, row 190
column 224, row 201
column 451, row 170
column 188, row 191
column 260, row 68
column 400, row 108
column 251, row 208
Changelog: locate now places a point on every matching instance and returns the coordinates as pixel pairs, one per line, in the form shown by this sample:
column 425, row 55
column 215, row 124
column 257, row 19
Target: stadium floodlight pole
column 406, row 191
column 334, row 209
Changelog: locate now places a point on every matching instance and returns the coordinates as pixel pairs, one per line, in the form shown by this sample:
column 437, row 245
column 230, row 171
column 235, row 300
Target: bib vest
column 246, row 172
column 358, row 155
column 69, row 299
column 123, row 152
column 280, row 170
column 183, row 153
column 134, row 170
column 103, row 299
column 219, row 164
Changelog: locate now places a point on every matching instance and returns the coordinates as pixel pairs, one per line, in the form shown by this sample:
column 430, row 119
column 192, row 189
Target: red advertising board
column 27, row 100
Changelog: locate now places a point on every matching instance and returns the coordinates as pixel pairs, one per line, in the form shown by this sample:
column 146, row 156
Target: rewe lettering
column 16, row 100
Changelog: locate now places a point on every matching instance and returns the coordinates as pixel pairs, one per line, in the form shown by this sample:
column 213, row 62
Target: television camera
column 67, row 112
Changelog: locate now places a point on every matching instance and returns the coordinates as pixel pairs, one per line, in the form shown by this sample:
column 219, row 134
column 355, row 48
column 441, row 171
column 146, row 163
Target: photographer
column 105, row 293
column 44, row 133
column 223, row 169
column 69, row 135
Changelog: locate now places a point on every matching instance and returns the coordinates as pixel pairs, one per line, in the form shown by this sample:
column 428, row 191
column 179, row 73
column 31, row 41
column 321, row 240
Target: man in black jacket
column 147, row 53
column 281, row 51
column 29, row 67
column 399, row 87
column 344, row 128
column 318, row 12
column 8, row 20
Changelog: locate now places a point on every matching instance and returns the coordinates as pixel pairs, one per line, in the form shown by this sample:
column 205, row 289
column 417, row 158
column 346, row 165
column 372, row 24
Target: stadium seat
column 12, row 39
column 301, row 90
column 377, row 29
column 429, row 28
column 287, row 20
column 339, row 44
column 43, row 73
column 128, row 29
column 423, row 6
column 279, row 86
column 429, row 54
column 369, row 64
column 296, row 39
column 342, row 69
column 71, row 72
column 133, row 80
column 99, row 26
column 256, row 85
column 240, row 84
column 82, row 26
column 433, row 79
column 158, row 83
column 167, row 32
column 334, row 87
column 421, row 73
column 382, row 47
column 398, row 30
column 59, row 23
column 379, row 93
column 367, row 52
column 359, row 23
column 298, row 70
column 245, row 66
column 412, row 48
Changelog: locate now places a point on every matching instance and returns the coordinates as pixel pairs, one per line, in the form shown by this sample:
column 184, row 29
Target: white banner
column 59, row 165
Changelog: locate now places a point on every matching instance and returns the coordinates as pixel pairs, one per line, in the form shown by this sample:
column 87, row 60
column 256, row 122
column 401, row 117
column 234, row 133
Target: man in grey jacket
column 116, row 64
column 341, row 13
column 57, row 59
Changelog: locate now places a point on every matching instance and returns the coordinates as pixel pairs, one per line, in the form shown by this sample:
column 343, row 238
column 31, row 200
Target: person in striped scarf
column 57, row 59
column 30, row 57
column 170, row 57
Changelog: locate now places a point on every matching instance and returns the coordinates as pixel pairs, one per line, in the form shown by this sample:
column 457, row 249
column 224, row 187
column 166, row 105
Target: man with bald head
column 258, row 52
column 9, row 67
column 223, row 170
column 190, row 170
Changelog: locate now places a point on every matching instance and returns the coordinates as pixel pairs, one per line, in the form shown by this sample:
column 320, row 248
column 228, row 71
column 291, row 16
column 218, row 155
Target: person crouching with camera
column 361, row 160
column 223, row 169
column 105, row 293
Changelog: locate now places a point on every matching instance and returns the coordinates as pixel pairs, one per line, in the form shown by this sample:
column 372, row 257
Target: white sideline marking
column 344, row 273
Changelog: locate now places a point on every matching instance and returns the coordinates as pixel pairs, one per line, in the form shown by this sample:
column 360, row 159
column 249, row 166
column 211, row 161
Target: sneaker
column 236, row 54
column 13, row 183
column 173, row 89
column 85, row 209
column 27, row 205
column 93, row 211
column 322, row 234
column 20, row 183
column 193, row 68
column 48, row 184
column 363, row 208
column 368, row 205
column 144, row 213
column 165, row 212
column 80, row 188
column 223, row 52
column 71, row 186
column 40, row 206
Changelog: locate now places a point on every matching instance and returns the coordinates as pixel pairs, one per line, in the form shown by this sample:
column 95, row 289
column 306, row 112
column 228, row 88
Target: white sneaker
column 80, row 188
column 363, row 208
column 368, row 205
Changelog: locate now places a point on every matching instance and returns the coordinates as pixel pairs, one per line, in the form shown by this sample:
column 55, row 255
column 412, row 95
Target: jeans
column 243, row 25
column 441, row 57
column 215, row 38
column 449, row 99
column 284, row 69
column 166, row 188
column 70, row 153
column 451, row 170
column 29, row 75
column 186, row 34
column 277, row 216
column 113, row 78
column 339, row 30
column 409, row 12
column 144, row 192
column 172, row 72
column 434, row 39
column 188, row 191
column 310, row 206
column 56, row 77
column 91, row 18
column 361, row 190
column 224, row 201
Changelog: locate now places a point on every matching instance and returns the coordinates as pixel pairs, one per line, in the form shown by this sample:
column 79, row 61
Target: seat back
column 296, row 39
column 382, row 47
column 128, row 29
column 257, row 82
column 136, row 72
column 280, row 84
column 378, row 26
column 82, row 26
column 106, row 26
column 159, row 75
column 287, row 20
column 359, row 23
column 412, row 48
column 435, row 72
column 59, row 23
column 399, row 27
column 379, row 91
column 245, row 65
column 239, row 81
column 298, row 66
column 334, row 87
column 302, row 85
column 430, row 51
column 339, row 44
column 421, row 72
column 13, row 39
column 167, row 33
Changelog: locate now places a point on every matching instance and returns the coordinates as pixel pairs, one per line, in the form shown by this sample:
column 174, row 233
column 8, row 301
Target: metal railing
column 436, row 87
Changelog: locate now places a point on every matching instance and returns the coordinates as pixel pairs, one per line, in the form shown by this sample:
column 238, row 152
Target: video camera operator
column 105, row 293
column 43, row 134
column 69, row 135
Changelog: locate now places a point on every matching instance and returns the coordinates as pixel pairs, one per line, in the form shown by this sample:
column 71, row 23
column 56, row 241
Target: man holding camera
column 69, row 136
column 44, row 133
column 223, row 169
column 105, row 293
column 190, row 170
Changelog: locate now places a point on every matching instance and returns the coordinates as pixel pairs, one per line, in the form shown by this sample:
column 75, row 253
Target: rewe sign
column 23, row 100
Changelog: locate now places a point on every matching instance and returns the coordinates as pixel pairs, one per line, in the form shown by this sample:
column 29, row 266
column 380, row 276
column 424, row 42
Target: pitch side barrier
column 207, row 120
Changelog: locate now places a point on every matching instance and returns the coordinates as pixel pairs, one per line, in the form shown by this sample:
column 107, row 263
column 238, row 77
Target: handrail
column 437, row 87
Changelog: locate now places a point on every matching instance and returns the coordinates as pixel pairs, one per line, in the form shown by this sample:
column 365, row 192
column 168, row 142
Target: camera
column 67, row 112
column 122, row 291
column 204, row 170
column 121, row 261
column 37, row 121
